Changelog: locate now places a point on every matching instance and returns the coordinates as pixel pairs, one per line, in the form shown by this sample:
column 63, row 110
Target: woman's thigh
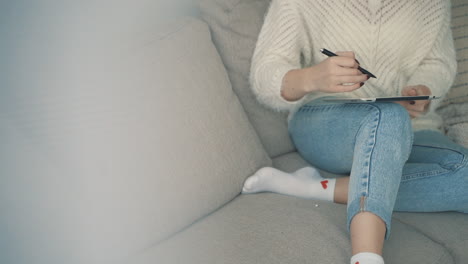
column 435, row 178
column 325, row 133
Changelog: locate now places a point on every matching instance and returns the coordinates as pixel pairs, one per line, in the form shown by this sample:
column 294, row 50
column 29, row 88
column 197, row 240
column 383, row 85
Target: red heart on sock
column 324, row 185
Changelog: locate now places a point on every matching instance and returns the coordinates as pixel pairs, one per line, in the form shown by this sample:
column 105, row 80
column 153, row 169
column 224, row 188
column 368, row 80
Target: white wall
column 61, row 63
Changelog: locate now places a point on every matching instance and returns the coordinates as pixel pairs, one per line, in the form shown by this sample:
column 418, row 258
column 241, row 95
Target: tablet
column 381, row 99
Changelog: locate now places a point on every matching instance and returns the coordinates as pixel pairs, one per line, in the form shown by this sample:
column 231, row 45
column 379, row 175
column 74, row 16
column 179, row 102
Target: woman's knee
column 395, row 114
column 394, row 119
column 392, row 125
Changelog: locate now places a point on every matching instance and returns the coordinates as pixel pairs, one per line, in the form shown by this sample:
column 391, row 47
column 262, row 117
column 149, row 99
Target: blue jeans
column 390, row 167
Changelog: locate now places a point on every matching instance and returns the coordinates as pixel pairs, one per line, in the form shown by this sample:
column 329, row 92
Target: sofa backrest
column 455, row 108
column 235, row 25
column 459, row 91
column 206, row 145
column 120, row 136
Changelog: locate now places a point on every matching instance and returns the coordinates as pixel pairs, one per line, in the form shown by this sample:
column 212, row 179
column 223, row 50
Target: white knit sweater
column 401, row 42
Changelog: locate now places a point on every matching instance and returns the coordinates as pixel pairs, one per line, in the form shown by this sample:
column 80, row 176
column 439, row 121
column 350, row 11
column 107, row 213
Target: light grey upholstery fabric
column 235, row 25
column 207, row 146
column 459, row 91
column 456, row 122
column 272, row 228
column 454, row 109
column 449, row 229
column 127, row 145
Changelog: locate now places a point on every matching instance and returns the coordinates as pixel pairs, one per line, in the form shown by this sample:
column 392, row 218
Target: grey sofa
column 143, row 159
column 271, row 228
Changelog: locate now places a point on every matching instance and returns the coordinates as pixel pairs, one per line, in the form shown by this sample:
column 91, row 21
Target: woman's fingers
column 418, row 105
column 351, row 55
column 344, row 61
column 345, row 54
column 407, row 105
column 347, row 71
column 423, row 90
column 345, row 79
column 349, row 79
column 416, row 90
column 409, row 91
column 414, row 114
column 336, row 74
column 340, row 88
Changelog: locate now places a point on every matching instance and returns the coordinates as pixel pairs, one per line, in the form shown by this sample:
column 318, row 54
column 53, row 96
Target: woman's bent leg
column 370, row 141
column 436, row 176
column 382, row 148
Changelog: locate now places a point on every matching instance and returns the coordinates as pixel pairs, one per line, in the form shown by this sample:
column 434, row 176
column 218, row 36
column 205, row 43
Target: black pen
column 331, row 54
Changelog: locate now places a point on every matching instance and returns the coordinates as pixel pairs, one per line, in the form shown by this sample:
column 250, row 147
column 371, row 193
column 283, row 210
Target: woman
column 395, row 153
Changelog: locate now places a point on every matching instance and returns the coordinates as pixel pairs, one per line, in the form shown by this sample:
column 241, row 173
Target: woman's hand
column 335, row 75
column 418, row 107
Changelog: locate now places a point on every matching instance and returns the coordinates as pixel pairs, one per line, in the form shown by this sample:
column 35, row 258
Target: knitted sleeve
column 278, row 50
column 438, row 68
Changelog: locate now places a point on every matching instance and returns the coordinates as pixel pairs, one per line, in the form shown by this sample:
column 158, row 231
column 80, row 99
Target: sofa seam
column 176, row 29
column 442, row 256
column 438, row 242
column 186, row 227
column 283, row 154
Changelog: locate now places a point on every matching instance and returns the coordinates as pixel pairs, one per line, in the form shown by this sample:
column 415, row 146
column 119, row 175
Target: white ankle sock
column 367, row 258
column 305, row 183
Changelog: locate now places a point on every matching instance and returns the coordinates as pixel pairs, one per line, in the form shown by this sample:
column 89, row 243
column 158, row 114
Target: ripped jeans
column 390, row 167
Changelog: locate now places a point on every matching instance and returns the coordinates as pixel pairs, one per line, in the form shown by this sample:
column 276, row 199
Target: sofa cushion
column 449, row 229
column 124, row 142
column 456, row 122
column 235, row 25
column 272, row 228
